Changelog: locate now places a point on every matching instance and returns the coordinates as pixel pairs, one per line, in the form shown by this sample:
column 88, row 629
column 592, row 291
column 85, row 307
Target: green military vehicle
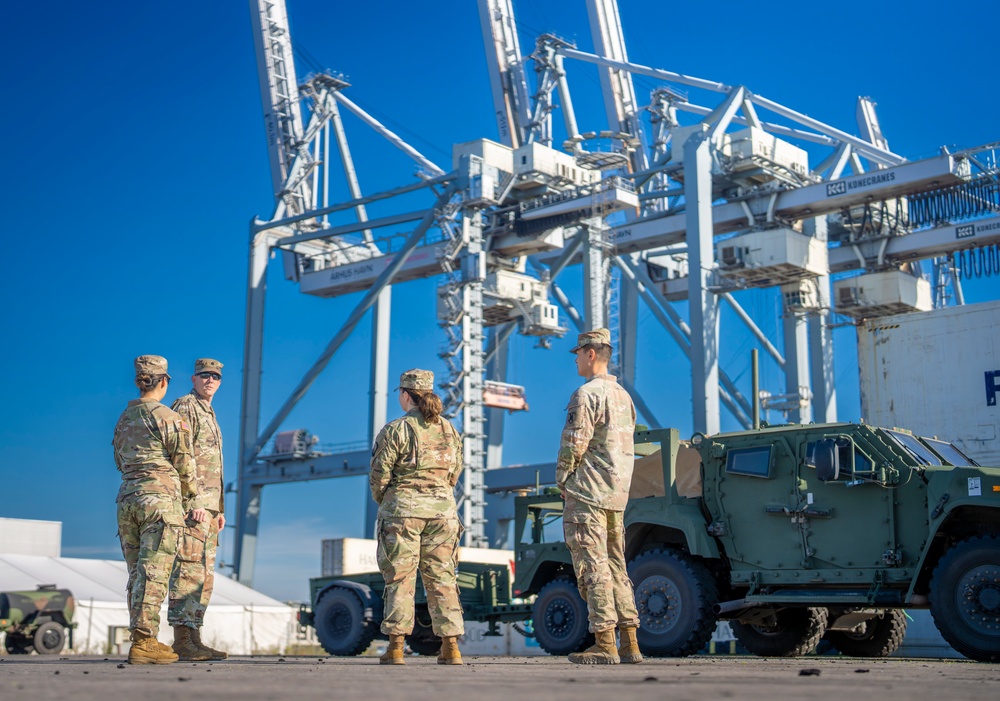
column 790, row 533
column 37, row 620
column 793, row 533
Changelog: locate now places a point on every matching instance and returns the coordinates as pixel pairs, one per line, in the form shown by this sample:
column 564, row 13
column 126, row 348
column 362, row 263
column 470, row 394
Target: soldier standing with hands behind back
column 594, row 473
column 415, row 465
column 152, row 447
column 193, row 575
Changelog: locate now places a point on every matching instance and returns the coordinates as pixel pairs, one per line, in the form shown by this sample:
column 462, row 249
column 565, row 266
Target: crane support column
column 248, row 499
column 821, row 375
column 704, row 306
column 595, row 276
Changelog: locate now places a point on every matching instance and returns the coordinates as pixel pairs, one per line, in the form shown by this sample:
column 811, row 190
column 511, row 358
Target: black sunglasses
column 213, row 375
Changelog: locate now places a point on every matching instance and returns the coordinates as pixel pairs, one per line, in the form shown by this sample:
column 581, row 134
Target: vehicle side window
column 753, row 462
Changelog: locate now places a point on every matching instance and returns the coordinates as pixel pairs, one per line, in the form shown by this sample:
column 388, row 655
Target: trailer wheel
column 341, row 625
column 789, row 632
column 560, row 618
column 49, row 638
column 877, row 637
column 965, row 598
column 674, row 595
column 17, row 644
column 422, row 640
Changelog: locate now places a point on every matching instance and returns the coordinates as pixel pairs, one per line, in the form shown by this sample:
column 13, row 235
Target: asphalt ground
column 698, row 678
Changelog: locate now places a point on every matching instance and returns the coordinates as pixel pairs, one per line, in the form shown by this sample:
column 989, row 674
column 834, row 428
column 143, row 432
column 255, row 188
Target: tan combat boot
column 216, row 654
column 450, row 653
column 603, row 651
column 394, row 653
column 146, row 649
column 185, row 646
column 628, row 647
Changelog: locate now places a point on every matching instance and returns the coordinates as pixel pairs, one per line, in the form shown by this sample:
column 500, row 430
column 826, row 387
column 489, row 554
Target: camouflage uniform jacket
column 596, row 452
column 152, row 447
column 207, row 442
column 415, row 466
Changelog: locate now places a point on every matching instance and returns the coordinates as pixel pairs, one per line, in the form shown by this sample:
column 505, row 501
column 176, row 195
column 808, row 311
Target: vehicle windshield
column 949, row 452
column 915, row 448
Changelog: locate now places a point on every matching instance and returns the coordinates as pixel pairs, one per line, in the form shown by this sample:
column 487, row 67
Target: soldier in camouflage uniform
column 594, row 472
column 415, row 465
column 152, row 447
column 193, row 575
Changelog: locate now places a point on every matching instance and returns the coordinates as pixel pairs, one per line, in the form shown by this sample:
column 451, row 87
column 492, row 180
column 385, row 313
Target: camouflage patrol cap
column 597, row 337
column 422, row 380
column 207, row 365
column 151, row 365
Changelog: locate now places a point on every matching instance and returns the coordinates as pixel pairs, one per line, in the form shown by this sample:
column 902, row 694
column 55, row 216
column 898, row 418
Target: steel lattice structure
column 674, row 211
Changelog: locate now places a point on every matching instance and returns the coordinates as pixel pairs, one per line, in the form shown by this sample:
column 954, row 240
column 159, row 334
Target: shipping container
column 937, row 374
column 343, row 556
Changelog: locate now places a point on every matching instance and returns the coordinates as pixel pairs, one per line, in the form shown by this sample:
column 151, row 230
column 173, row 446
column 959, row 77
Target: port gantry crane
column 693, row 209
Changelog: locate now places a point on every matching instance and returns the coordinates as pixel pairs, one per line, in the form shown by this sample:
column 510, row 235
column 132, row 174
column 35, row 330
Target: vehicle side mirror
column 824, row 456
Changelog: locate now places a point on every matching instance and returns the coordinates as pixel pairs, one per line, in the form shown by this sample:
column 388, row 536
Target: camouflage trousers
column 193, row 575
column 149, row 529
column 596, row 540
column 430, row 544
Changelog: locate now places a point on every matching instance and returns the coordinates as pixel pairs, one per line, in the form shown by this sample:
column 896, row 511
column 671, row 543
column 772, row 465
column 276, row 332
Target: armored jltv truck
column 797, row 532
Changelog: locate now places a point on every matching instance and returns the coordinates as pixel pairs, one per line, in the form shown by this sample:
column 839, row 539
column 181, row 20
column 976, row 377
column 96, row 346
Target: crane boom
column 279, row 95
column 508, row 83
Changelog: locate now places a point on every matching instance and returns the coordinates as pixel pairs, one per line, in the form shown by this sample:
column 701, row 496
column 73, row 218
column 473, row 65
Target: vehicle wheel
column 787, row 633
column 49, row 638
column 560, row 618
column 877, row 637
column 965, row 598
column 17, row 644
column 341, row 626
column 674, row 595
column 422, row 640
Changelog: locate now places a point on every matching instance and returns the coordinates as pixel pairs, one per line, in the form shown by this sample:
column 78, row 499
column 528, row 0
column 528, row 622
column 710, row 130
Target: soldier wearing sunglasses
column 193, row 574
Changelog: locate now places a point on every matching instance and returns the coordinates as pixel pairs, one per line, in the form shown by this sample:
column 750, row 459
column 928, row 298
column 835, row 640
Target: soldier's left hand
column 222, row 522
column 198, row 515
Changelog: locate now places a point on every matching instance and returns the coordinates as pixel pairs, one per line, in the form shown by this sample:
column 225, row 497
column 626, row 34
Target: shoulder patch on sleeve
column 185, row 425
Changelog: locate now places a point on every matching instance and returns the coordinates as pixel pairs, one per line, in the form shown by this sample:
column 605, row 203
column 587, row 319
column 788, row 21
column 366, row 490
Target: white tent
column 239, row 620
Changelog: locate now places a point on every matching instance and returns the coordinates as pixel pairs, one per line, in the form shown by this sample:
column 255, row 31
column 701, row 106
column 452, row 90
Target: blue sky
column 135, row 158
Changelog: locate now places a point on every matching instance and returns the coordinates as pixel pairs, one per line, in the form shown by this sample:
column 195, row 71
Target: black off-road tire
column 796, row 632
column 17, row 644
column 877, row 637
column 560, row 620
column 674, row 594
column 422, row 640
column 965, row 597
column 341, row 626
column 49, row 638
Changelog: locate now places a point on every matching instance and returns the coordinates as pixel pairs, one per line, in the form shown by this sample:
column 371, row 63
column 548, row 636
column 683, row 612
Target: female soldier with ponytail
column 415, row 465
column 152, row 446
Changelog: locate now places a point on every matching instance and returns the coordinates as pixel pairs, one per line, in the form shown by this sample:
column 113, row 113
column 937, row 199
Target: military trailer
column 792, row 534
column 347, row 609
column 37, row 620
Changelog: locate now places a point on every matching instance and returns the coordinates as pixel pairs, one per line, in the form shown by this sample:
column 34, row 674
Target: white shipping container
column 358, row 555
column 936, row 373
column 22, row 536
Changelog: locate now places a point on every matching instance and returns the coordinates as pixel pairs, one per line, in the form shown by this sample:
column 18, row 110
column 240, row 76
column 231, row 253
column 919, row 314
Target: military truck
column 37, row 620
column 790, row 533
column 797, row 532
